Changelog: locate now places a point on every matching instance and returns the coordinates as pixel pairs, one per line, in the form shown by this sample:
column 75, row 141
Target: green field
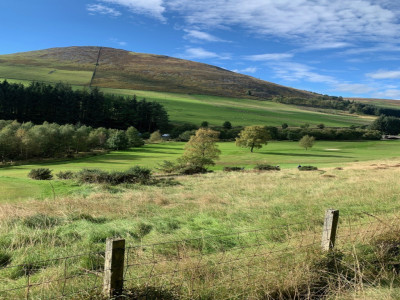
column 286, row 154
column 195, row 109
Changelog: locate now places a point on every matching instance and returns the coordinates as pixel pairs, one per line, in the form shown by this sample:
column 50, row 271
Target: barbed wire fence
column 270, row 263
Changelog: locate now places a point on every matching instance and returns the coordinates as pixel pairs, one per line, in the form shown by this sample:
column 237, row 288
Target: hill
column 121, row 69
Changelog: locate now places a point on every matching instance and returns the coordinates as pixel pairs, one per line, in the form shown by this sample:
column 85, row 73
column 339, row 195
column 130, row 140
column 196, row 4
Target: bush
column 65, row 175
column 266, row 167
column 168, row 167
column 40, row 174
column 307, row 168
column 233, row 169
column 133, row 175
column 91, row 176
column 192, row 169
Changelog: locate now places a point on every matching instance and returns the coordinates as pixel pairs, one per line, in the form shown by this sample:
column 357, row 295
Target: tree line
column 339, row 103
column 59, row 103
column 21, row 141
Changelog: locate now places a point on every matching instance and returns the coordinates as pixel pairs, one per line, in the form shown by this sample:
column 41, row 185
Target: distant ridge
column 116, row 68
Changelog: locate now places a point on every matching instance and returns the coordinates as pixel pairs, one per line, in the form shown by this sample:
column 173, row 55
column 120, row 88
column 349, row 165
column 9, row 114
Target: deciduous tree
column 253, row 137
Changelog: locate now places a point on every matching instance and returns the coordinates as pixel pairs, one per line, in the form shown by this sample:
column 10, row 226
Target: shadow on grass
column 306, row 155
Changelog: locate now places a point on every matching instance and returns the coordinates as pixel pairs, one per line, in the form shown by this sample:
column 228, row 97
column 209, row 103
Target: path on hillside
column 95, row 67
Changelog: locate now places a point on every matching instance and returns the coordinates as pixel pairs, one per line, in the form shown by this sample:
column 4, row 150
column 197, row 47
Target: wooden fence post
column 114, row 267
column 329, row 231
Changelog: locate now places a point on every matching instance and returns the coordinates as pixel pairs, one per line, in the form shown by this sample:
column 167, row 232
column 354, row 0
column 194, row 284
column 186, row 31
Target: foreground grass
column 199, row 206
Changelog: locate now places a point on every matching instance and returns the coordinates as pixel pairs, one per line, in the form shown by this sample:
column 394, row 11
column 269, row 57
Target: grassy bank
column 195, row 207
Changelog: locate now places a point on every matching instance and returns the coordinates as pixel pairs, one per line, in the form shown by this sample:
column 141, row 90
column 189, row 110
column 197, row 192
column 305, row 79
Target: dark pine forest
column 40, row 102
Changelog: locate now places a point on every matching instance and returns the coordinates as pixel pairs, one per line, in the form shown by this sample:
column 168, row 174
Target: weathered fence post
column 329, row 231
column 114, row 267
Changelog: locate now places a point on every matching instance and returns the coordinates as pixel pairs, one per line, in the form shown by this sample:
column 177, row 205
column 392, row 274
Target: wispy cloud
column 200, row 53
column 197, row 35
column 102, row 10
column 154, row 8
column 269, row 56
column 388, row 94
column 354, row 88
column 292, row 71
column 246, row 70
column 331, row 23
column 118, row 42
column 384, row 74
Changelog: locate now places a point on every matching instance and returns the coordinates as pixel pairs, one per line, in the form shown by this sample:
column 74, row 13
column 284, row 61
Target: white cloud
column 200, row 53
column 384, row 74
column 292, row 71
column 388, row 94
column 102, row 9
column 332, row 23
column 247, row 70
column 269, row 56
column 154, row 8
column 200, row 35
column 354, row 88
column 117, row 41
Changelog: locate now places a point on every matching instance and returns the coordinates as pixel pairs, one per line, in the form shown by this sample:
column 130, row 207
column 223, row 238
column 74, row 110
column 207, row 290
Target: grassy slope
column 118, row 73
column 124, row 69
column 286, row 154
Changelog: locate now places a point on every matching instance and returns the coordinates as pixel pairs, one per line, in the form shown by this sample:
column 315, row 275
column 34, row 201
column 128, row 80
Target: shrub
column 266, row 167
column 133, row 175
column 233, row 169
column 40, row 174
column 192, row 169
column 65, row 175
column 307, row 168
column 91, row 176
column 168, row 166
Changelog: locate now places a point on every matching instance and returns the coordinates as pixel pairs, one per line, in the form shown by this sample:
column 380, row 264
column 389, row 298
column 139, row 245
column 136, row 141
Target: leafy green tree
column 307, row 141
column 253, row 137
column 284, row 126
column 227, row 125
column 204, row 124
column 155, row 137
column 202, row 150
column 321, row 126
column 134, row 138
column 386, row 125
column 117, row 140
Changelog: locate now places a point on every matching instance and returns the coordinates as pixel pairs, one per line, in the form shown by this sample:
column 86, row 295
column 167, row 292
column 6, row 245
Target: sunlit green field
column 194, row 109
column 15, row 185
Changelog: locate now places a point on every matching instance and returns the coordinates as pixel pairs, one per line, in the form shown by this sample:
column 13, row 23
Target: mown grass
column 286, row 154
column 215, row 110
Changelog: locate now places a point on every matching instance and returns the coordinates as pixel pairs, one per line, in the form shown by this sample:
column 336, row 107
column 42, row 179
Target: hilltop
column 121, row 69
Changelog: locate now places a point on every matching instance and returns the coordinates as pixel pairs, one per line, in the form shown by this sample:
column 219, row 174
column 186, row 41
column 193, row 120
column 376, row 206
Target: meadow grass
column 200, row 206
column 286, row 154
column 240, row 112
column 46, row 74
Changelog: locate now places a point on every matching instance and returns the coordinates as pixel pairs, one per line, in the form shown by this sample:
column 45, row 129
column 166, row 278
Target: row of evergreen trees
column 59, row 103
column 339, row 103
column 20, row 141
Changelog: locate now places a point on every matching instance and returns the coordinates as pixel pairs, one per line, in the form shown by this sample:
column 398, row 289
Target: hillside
column 122, row 69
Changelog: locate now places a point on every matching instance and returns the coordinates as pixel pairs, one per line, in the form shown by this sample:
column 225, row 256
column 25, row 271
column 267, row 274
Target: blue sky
column 337, row 47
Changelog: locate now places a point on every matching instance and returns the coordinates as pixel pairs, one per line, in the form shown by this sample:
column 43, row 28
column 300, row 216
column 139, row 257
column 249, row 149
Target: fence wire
column 240, row 265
